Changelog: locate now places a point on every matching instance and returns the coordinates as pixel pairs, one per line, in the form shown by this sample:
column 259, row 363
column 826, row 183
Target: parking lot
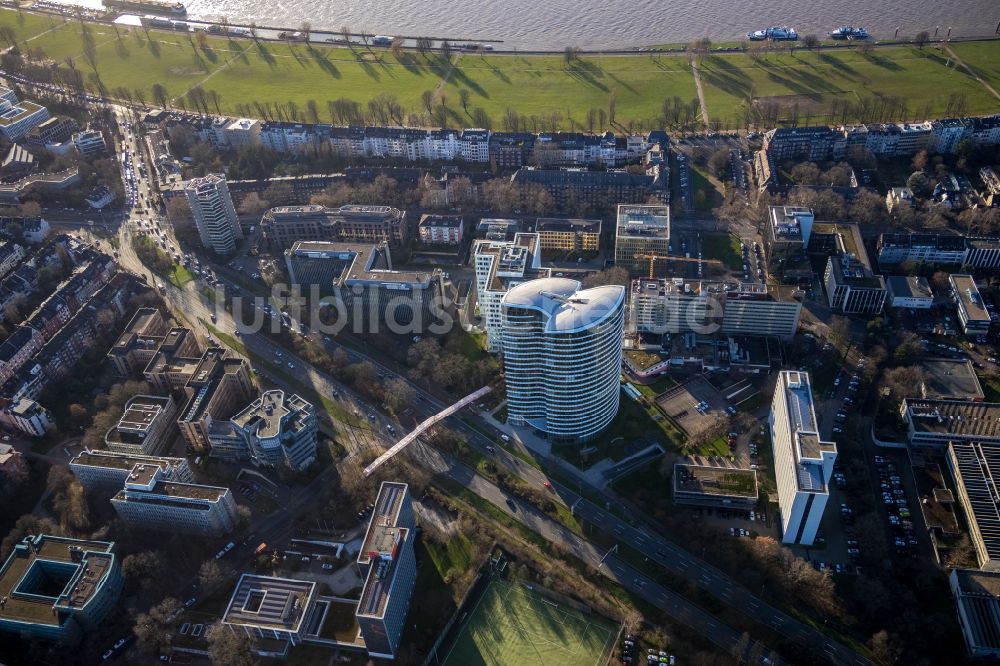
column 695, row 405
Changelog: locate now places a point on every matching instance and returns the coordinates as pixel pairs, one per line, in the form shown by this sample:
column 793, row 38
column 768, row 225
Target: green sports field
column 513, row 626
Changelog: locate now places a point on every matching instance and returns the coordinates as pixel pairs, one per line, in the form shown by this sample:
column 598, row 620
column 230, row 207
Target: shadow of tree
column 588, row 72
column 410, row 63
column 839, row 65
column 154, row 48
column 322, row 59
column 265, row 54
column 292, row 49
column 366, row 65
column 210, row 53
column 460, row 78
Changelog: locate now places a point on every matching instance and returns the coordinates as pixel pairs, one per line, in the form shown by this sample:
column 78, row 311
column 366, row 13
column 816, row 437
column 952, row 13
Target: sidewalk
column 521, row 436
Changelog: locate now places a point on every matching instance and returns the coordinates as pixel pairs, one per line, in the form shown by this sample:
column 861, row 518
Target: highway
column 195, row 308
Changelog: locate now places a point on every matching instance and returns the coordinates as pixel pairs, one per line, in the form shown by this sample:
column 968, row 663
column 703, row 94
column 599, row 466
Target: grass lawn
column 27, row 24
column 179, row 276
column 815, row 79
column 542, row 87
column 643, row 359
column 717, row 447
column 634, row 428
column 699, row 183
column 982, row 58
column 724, row 247
column 511, row 625
column 455, row 554
column 662, row 384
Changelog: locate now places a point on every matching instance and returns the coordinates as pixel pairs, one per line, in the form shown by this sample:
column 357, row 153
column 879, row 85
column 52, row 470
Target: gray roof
column 566, row 306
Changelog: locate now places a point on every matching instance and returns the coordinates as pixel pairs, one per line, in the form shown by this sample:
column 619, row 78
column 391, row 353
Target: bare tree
column 227, row 647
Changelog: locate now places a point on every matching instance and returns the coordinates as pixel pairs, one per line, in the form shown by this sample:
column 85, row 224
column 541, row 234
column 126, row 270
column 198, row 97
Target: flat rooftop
column 959, row 418
column 193, row 495
column 978, row 599
column 269, row 603
column 969, row 297
column 362, row 262
column 269, row 412
column 973, row 466
column 949, row 379
column 140, row 414
column 16, row 112
column 715, row 481
column 903, row 286
column 850, row 270
column 379, row 548
column 66, row 573
column 807, row 447
column 849, row 239
column 205, row 380
column 639, row 221
column 514, row 261
column 114, row 460
column 433, row 220
column 574, row 225
column 786, row 222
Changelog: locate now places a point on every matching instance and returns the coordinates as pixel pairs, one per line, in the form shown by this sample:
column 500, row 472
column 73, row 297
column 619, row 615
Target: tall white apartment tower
column 803, row 463
column 562, row 358
column 214, row 213
column 499, row 266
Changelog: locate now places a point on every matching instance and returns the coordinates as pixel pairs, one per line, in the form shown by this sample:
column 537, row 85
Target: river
column 604, row 24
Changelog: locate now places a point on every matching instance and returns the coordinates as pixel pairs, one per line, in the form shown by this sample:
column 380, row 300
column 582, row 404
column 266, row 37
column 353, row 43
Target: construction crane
column 653, row 257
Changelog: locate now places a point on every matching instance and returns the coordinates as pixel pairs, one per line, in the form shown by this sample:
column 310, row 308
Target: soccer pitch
column 513, row 626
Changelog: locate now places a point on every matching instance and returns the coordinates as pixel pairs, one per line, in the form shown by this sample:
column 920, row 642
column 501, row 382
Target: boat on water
column 774, row 33
column 151, row 6
column 849, row 32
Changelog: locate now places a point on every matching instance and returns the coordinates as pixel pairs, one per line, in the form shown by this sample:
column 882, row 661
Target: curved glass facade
column 564, row 383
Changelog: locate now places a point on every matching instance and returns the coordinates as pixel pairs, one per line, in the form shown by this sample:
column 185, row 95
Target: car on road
column 511, row 504
column 190, row 602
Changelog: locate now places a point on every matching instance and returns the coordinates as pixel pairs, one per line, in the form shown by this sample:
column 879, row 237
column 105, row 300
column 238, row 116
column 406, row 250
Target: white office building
column 972, row 313
column 148, row 501
column 562, row 356
column 105, row 471
column 803, row 463
column 19, row 118
column 500, row 265
column 272, row 430
column 214, row 213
